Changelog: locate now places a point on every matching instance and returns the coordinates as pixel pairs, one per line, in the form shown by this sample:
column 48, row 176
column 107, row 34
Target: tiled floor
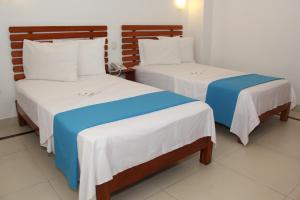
column 295, row 112
column 267, row 169
column 10, row 127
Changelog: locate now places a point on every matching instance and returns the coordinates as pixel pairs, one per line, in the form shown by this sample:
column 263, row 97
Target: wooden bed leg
column 206, row 153
column 284, row 116
column 21, row 120
column 102, row 192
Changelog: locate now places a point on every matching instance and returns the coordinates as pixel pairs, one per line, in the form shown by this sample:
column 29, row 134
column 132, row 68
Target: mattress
column 192, row 80
column 108, row 149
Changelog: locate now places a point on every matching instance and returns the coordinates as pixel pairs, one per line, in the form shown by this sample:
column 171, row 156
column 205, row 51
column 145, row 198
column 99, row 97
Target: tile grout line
column 15, row 135
column 170, row 195
column 57, row 194
column 292, row 190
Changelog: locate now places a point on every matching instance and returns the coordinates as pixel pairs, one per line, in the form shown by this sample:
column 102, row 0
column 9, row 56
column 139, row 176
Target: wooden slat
column 130, row 52
column 19, row 45
column 17, row 61
column 17, row 53
column 18, row 69
column 19, row 77
column 135, row 40
column 151, row 33
column 47, row 36
column 55, row 28
column 152, row 27
column 131, row 58
column 130, row 46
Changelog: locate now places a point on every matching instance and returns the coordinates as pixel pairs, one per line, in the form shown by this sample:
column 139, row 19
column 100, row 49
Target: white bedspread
column 106, row 150
column 192, row 80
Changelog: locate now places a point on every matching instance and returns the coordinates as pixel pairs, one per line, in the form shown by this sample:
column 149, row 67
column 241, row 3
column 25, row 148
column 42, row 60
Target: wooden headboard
column 48, row 34
column 132, row 33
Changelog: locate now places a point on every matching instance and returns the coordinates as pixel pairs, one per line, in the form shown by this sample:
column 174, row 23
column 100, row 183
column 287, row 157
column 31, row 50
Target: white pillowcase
column 48, row 61
column 91, row 56
column 159, row 52
column 186, row 48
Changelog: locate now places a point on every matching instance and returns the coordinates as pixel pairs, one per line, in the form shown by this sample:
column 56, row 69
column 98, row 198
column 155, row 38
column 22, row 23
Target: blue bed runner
column 67, row 125
column 222, row 94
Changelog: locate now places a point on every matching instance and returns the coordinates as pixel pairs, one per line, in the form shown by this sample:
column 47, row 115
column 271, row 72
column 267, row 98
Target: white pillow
column 159, row 52
column 186, row 48
column 48, row 61
column 91, row 56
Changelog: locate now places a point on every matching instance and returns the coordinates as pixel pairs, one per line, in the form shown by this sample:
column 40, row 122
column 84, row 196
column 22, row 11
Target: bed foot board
column 137, row 173
column 102, row 192
column 283, row 110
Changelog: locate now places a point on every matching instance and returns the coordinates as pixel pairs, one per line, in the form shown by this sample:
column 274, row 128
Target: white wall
column 195, row 24
column 75, row 12
column 256, row 36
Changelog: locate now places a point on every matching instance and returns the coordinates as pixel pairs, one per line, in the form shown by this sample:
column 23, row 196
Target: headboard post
column 48, row 34
column 132, row 33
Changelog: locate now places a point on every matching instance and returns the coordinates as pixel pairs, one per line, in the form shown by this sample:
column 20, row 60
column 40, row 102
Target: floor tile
column 11, row 145
column 217, row 182
column 295, row 112
column 270, row 168
column 295, row 194
column 173, row 174
column 161, row 196
column 42, row 191
column 31, row 141
column 10, row 126
column 142, row 190
column 279, row 136
column 18, row 171
column 40, row 156
column 226, row 142
column 60, row 185
column 45, row 162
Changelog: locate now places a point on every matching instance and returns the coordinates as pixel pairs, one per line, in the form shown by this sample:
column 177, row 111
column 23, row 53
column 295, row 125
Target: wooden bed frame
column 130, row 54
column 129, row 176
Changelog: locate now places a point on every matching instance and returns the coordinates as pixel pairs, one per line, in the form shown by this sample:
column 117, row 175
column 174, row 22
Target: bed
column 254, row 104
column 107, row 164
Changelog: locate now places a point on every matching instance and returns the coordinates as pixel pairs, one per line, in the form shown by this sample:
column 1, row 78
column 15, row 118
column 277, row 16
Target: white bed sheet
column 106, row 150
column 192, row 80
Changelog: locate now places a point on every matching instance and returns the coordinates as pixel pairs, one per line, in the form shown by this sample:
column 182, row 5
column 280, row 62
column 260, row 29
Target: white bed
column 106, row 150
column 192, row 80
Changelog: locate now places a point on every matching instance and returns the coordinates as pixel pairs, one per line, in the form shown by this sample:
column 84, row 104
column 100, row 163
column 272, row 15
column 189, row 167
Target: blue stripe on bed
column 222, row 94
column 67, row 125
